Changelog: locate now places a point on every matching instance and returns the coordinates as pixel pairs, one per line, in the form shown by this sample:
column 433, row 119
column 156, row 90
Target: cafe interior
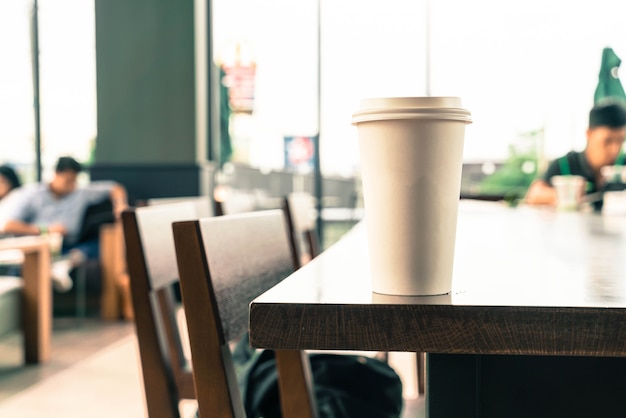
column 291, row 242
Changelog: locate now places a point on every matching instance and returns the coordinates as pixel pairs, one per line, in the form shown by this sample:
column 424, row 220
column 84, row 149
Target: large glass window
column 67, row 82
column 523, row 67
column 367, row 48
column 17, row 144
column 527, row 72
column 278, row 38
column 68, row 79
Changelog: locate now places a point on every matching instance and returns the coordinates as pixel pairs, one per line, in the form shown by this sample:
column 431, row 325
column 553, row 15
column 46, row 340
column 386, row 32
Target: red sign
column 239, row 80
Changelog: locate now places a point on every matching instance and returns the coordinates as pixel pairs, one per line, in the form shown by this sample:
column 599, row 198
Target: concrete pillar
column 152, row 133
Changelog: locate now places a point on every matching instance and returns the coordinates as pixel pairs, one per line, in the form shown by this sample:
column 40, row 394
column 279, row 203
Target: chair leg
column 294, row 381
column 421, row 372
column 81, row 292
column 125, row 297
column 382, row 356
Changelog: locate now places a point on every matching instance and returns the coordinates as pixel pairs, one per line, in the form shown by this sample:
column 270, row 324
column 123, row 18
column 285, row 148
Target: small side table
column 37, row 307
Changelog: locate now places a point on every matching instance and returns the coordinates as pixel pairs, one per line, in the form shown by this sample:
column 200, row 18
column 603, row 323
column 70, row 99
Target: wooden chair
column 225, row 262
column 204, row 204
column 297, row 207
column 301, row 226
column 151, row 260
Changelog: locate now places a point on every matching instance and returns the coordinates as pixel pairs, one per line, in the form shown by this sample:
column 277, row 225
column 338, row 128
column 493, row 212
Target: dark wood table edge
column 448, row 329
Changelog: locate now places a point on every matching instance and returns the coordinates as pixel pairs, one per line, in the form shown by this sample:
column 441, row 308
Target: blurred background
column 291, row 73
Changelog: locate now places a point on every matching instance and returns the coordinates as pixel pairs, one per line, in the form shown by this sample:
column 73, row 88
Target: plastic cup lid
column 386, row 108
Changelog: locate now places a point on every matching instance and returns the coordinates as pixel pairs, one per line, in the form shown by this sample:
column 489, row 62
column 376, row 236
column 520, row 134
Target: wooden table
column 37, row 301
column 535, row 325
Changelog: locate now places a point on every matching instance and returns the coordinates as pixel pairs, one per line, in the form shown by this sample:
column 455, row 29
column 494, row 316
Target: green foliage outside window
column 519, row 170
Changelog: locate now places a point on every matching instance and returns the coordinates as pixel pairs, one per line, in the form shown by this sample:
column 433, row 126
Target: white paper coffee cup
column 411, row 159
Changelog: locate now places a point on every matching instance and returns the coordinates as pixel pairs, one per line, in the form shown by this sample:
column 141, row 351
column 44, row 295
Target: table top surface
column 25, row 243
column 517, row 271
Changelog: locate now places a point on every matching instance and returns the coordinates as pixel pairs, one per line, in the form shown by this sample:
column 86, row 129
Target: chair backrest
column 298, row 208
column 95, row 216
column 237, row 201
column 151, row 260
column 203, row 204
column 224, row 263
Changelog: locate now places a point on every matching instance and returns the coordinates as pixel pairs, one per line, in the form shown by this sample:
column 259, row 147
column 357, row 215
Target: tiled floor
column 98, row 386
column 94, row 372
column 72, row 342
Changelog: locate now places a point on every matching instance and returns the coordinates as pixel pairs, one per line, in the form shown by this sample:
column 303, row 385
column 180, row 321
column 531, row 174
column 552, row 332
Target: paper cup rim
column 428, row 107
column 373, row 115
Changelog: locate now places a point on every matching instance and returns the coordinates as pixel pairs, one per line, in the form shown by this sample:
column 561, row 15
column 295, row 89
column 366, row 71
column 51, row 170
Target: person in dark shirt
column 605, row 136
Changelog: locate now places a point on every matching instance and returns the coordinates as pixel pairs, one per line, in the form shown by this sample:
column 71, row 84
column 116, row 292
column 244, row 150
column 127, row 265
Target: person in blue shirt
column 605, row 138
column 58, row 207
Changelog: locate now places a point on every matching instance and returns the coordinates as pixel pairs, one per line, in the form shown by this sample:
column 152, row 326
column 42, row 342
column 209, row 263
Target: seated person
column 8, row 180
column 605, row 137
column 59, row 207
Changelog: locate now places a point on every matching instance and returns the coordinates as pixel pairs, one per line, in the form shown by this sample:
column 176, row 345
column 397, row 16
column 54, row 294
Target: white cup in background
column 569, row 191
column 55, row 241
column 613, row 173
column 411, row 159
column 614, row 203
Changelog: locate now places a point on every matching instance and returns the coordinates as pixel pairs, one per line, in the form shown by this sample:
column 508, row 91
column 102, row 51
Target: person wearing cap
column 58, row 207
column 605, row 136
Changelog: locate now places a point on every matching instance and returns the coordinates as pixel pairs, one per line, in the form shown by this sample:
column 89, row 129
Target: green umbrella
column 609, row 85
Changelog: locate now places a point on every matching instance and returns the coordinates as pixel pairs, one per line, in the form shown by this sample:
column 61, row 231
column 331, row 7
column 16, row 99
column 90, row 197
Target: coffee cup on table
column 569, row 191
column 613, row 174
column 55, row 241
column 411, row 159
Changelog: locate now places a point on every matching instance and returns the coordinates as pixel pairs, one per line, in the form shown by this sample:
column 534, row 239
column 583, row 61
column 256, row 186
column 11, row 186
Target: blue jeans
column 91, row 249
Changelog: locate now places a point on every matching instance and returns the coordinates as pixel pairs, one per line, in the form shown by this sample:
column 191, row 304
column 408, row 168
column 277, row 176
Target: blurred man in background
column 58, row 207
column 605, row 137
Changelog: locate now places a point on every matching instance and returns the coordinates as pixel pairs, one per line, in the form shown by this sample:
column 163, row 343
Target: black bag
column 345, row 386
